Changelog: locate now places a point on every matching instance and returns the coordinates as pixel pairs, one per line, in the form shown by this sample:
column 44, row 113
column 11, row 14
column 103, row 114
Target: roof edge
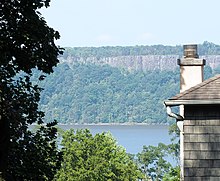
column 191, row 102
column 194, row 88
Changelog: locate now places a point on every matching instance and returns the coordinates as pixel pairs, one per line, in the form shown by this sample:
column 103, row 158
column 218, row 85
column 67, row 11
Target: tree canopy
column 88, row 93
column 206, row 48
column 98, row 157
column 26, row 42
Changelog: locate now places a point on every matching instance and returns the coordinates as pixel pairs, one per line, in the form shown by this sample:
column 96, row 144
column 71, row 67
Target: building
column 198, row 120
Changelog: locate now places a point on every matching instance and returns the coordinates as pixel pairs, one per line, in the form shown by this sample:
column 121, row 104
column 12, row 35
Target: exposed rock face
column 212, row 60
column 142, row 62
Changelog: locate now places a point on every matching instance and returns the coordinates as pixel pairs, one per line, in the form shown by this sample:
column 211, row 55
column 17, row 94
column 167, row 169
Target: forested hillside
column 207, row 48
column 93, row 93
column 87, row 92
column 139, row 58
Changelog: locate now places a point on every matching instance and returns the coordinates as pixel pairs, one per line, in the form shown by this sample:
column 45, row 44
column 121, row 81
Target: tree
column 26, row 42
column 174, row 147
column 85, row 93
column 172, row 175
column 35, row 157
column 98, row 157
column 153, row 159
column 153, row 162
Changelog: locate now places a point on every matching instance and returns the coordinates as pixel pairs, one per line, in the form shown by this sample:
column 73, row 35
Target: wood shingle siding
column 202, row 142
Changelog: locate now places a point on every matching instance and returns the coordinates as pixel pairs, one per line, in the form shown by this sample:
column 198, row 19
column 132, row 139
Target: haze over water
column 131, row 137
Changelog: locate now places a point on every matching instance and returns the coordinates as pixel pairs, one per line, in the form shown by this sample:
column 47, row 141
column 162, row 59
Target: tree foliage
column 35, row 156
column 172, row 175
column 155, row 161
column 88, row 93
column 110, row 51
column 88, row 157
column 26, row 42
column 206, row 48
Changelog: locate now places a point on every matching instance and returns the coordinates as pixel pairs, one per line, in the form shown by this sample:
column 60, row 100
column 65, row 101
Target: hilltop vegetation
column 103, row 94
column 207, row 48
column 139, row 58
column 94, row 93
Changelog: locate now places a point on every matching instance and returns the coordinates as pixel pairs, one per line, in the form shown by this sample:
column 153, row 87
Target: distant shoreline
column 108, row 124
column 114, row 124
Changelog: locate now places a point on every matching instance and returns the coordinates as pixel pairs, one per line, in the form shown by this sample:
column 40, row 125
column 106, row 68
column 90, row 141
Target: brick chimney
column 191, row 68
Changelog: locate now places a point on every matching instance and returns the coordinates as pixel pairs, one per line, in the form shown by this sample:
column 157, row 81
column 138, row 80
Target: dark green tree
column 26, row 42
column 87, row 157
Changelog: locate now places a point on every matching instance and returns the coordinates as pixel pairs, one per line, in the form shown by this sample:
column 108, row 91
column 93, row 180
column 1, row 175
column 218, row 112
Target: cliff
column 140, row 62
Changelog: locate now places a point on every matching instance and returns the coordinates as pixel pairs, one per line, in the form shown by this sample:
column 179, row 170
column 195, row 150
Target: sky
column 98, row 23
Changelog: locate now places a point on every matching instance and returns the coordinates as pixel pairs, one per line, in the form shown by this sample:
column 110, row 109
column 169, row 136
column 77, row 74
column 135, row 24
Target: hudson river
column 131, row 137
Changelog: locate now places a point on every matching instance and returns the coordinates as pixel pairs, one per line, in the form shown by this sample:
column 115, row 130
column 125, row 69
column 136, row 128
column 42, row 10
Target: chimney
column 191, row 68
column 191, row 74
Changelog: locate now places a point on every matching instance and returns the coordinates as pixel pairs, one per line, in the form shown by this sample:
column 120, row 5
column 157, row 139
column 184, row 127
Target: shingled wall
column 202, row 143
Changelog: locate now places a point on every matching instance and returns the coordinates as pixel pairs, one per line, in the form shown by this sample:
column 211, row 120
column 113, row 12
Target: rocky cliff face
column 143, row 62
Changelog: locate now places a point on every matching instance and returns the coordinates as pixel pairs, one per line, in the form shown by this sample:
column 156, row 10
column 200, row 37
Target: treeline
column 113, row 51
column 102, row 94
column 99, row 157
column 207, row 48
column 89, row 93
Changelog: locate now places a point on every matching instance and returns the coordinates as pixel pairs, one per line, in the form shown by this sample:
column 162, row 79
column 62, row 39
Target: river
column 131, row 137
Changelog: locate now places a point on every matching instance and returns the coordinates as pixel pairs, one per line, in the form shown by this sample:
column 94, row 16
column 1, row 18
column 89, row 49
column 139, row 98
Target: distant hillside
column 144, row 58
column 103, row 85
column 89, row 93
column 141, row 62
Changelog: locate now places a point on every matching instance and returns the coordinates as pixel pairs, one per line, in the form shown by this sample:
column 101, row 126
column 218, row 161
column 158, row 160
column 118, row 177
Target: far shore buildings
column 198, row 120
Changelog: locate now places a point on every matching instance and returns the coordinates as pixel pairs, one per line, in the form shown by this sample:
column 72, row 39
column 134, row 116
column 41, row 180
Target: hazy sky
column 134, row 22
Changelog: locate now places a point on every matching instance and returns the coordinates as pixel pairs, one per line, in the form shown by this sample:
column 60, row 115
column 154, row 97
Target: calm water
column 131, row 137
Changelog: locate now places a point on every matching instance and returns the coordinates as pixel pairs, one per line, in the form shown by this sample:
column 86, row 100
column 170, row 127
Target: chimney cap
column 190, row 51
